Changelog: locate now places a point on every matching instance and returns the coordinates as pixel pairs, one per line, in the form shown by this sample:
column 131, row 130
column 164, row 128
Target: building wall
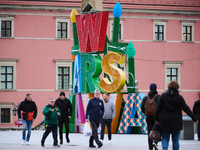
column 36, row 47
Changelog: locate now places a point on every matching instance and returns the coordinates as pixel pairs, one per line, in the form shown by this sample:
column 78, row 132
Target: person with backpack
column 148, row 108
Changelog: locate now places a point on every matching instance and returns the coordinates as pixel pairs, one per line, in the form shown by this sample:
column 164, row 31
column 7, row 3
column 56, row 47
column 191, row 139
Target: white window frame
column 8, row 18
column 173, row 64
column 187, row 23
column 63, row 63
column 63, row 19
column 7, row 105
column 122, row 29
column 159, row 22
column 12, row 63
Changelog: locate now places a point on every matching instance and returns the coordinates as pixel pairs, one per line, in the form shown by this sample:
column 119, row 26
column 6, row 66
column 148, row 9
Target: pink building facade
column 36, row 39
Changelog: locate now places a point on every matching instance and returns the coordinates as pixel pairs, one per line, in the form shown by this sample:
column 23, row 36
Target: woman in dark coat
column 169, row 115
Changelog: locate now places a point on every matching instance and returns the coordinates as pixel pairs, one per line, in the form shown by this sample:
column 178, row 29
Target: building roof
column 182, row 5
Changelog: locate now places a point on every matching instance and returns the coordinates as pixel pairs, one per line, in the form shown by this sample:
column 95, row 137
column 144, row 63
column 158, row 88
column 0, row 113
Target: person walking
column 51, row 113
column 95, row 110
column 169, row 108
column 196, row 111
column 28, row 115
column 65, row 107
column 109, row 115
column 152, row 95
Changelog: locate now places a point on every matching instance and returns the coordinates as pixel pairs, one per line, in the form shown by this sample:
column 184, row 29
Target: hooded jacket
column 28, row 107
column 50, row 117
column 65, row 107
column 196, row 109
column 170, row 106
column 151, row 95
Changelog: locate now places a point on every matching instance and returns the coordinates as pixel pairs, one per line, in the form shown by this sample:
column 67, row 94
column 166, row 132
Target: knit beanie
column 153, row 86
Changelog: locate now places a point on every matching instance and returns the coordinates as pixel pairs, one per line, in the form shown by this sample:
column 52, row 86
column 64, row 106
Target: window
column 172, row 72
column 8, row 74
column 6, row 113
column 188, row 31
column 120, row 29
column 6, row 77
column 62, row 28
column 159, row 30
column 7, row 26
column 63, row 77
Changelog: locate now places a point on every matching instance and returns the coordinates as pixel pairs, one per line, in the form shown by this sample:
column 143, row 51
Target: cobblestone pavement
column 11, row 140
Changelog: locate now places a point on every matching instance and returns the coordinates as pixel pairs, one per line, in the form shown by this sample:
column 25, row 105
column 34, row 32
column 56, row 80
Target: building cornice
column 125, row 10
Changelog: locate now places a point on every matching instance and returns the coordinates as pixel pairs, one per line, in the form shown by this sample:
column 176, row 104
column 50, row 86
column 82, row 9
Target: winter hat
column 62, row 93
column 153, row 86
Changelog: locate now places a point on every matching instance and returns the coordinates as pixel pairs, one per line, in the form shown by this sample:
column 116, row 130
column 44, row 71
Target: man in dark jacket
column 51, row 113
column 95, row 111
column 149, row 119
column 29, row 113
column 65, row 107
column 196, row 111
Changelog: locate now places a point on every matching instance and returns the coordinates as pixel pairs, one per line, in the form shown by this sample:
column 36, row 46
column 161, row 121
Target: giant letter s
column 117, row 74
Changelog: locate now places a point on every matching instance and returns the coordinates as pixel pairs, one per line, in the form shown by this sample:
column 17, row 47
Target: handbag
column 87, row 130
column 155, row 134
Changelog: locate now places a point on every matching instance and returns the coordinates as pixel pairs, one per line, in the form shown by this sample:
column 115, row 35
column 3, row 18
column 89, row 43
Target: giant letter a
column 91, row 30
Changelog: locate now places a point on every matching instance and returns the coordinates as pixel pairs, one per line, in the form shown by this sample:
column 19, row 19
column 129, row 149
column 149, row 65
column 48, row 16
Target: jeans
column 94, row 136
column 198, row 129
column 107, row 122
column 175, row 140
column 61, row 122
column 26, row 124
column 48, row 129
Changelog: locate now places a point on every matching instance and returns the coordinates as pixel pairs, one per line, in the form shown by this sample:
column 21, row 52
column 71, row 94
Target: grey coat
column 109, row 110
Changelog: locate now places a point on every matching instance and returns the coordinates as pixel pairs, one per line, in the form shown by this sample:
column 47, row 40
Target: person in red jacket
column 28, row 115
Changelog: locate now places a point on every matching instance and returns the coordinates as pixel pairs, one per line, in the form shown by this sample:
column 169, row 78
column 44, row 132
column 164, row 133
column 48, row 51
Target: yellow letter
column 117, row 74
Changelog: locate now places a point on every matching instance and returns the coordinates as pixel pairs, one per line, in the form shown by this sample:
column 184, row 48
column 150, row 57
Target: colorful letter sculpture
column 117, row 74
column 90, row 71
column 132, row 106
column 93, row 52
column 91, row 29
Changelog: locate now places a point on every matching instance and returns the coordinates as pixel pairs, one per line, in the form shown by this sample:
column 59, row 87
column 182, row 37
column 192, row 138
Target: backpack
column 150, row 106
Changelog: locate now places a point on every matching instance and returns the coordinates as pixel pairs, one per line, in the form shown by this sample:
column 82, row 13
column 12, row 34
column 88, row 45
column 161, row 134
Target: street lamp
column 14, row 111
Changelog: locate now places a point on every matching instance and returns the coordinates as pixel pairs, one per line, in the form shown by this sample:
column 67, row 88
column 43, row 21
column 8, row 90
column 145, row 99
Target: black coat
column 169, row 109
column 151, row 95
column 65, row 107
column 196, row 109
column 27, row 106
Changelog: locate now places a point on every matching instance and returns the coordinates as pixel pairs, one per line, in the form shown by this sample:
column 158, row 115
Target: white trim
column 187, row 23
column 13, row 64
column 8, row 18
column 63, row 63
column 68, row 26
column 159, row 22
column 122, row 29
column 161, row 90
column 172, row 64
column 3, row 105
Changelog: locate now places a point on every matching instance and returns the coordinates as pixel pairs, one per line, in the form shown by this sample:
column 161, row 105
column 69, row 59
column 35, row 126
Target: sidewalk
column 11, row 140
